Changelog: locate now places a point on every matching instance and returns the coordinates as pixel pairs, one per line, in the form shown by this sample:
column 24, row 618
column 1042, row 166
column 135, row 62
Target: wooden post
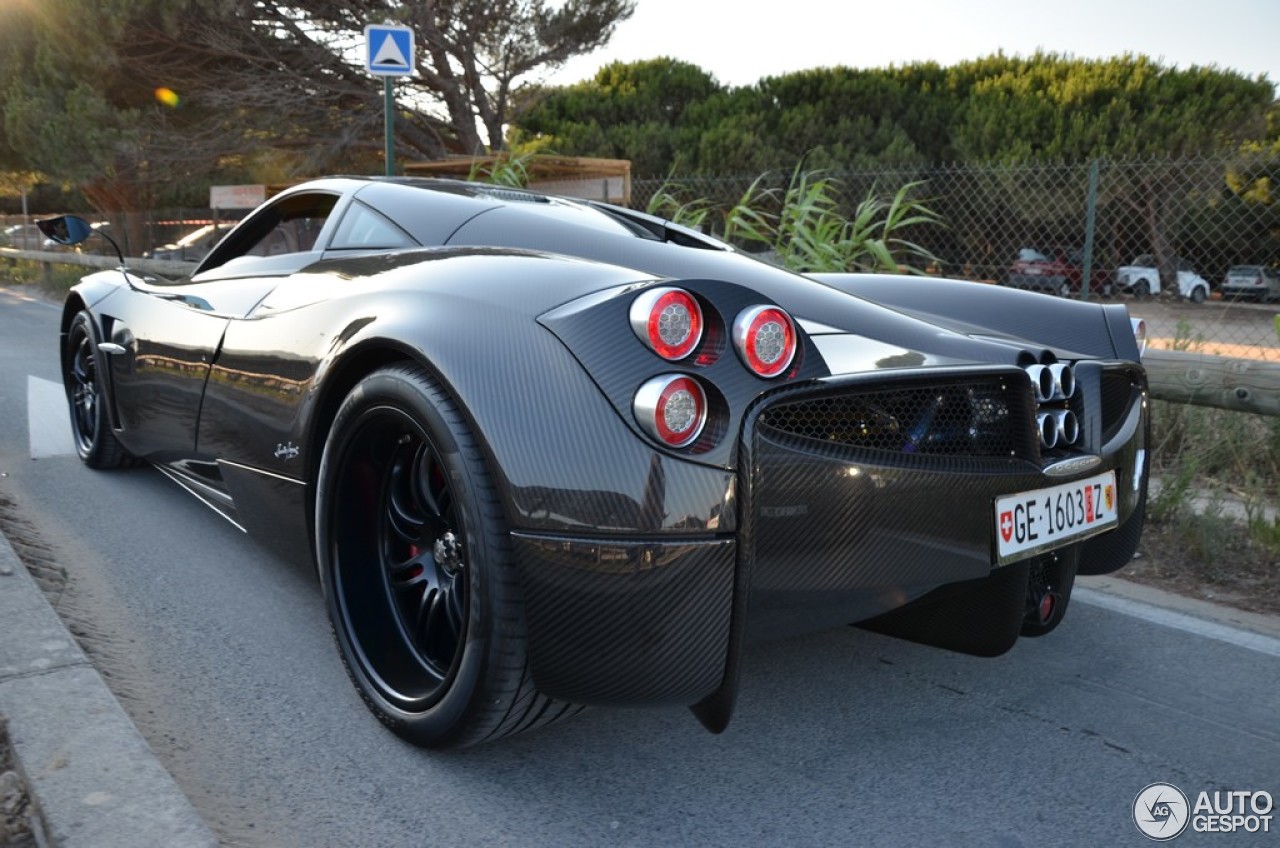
column 1244, row 385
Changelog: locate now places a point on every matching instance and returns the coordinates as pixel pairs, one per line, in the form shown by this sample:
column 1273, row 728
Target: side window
column 363, row 228
column 297, row 225
column 289, row 226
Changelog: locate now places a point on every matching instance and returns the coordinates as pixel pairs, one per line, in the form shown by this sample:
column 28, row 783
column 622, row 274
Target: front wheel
column 96, row 444
column 1198, row 294
column 417, row 569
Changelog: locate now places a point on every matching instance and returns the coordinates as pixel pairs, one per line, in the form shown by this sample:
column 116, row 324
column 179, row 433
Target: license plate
column 1043, row 519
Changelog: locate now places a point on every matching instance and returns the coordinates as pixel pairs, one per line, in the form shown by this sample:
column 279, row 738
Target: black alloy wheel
column 95, row 442
column 401, row 576
column 416, row 565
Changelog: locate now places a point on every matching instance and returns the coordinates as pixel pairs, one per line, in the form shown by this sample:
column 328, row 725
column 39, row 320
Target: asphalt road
column 221, row 654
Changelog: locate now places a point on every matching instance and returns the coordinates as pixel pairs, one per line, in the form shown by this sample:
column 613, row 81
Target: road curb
column 93, row 777
column 1115, row 585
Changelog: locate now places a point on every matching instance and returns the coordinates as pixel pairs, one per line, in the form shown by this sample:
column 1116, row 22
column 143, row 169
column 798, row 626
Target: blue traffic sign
column 388, row 50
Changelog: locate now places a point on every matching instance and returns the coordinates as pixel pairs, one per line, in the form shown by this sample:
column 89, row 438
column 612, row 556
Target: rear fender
column 564, row 458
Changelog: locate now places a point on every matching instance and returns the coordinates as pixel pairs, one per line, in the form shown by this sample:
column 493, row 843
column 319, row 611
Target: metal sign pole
column 389, row 122
column 388, row 53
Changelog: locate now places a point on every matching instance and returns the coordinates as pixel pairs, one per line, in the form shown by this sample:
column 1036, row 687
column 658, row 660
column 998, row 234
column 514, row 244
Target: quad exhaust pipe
column 1058, row 426
column 1054, row 384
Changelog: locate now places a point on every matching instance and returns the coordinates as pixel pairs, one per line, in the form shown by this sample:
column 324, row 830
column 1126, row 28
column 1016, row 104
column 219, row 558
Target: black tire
column 1049, row 591
column 1142, row 290
column 86, row 400
column 1198, row 294
column 417, row 569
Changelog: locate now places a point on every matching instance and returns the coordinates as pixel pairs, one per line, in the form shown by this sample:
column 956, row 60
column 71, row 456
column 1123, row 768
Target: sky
column 740, row 41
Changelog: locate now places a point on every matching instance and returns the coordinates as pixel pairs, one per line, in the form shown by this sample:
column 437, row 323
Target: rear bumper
column 831, row 531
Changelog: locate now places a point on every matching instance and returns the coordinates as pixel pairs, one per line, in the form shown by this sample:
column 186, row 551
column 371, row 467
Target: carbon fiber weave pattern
column 626, row 623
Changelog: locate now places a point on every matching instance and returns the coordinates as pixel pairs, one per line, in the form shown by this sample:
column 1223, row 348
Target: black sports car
column 548, row 453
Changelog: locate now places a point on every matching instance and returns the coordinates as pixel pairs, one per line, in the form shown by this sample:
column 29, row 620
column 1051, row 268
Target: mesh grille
column 979, row 419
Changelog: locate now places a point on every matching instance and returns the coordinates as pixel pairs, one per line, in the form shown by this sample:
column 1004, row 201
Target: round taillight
column 765, row 339
column 671, row 408
column 668, row 320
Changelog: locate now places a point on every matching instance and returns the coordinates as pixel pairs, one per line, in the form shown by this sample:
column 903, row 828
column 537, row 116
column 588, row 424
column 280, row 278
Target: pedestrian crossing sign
column 388, row 50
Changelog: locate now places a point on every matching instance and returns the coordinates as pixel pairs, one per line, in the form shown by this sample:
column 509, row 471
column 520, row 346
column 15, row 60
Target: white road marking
column 1259, row 642
column 17, row 295
column 47, row 423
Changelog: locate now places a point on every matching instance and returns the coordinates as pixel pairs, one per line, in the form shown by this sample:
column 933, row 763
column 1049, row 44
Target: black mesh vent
column 1117, row 393
column 979, row 418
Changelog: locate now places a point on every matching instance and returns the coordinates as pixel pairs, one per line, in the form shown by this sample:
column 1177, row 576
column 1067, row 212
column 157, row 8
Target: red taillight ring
column 668, row 320
column 672, row 409
column 765, row 338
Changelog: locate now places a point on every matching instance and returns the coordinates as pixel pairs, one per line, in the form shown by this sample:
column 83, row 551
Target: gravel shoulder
column 19, row 820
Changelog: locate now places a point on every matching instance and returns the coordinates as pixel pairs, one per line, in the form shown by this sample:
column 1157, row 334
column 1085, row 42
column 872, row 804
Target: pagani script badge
column 286, row 451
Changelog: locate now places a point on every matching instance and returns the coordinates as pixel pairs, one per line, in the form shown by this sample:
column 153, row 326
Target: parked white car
column 1253, row 281
column 1141, row 278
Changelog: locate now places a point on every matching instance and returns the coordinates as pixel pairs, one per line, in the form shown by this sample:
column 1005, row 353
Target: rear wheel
column 1199, row 294
column 90, row 427
column 1142, row 290
column 417, row 568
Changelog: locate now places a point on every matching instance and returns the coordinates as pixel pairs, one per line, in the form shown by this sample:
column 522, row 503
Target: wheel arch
column 561, row 454
column 341, row 376
column 71, row 307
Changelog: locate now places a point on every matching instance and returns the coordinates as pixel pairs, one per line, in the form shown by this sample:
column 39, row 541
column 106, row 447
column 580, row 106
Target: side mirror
column 65, row 229
column 72, row 229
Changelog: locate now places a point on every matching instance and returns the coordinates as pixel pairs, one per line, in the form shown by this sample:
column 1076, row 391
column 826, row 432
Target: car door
column 164, row 336
column 265, row 369
column 160, row 340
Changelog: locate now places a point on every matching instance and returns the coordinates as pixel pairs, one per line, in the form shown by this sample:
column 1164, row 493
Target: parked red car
column 1056, row 271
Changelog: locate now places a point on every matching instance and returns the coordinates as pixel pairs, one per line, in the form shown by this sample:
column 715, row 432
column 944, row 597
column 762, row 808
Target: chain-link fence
column 1192, row 245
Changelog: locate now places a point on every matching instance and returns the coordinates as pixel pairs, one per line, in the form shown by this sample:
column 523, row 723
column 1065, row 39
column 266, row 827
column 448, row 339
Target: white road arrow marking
column 47, row 420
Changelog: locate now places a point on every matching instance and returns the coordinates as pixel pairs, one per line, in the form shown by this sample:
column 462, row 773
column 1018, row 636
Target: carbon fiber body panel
column 842, row 518
column 623, row 622
column 848, row 526
column 858, row 480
